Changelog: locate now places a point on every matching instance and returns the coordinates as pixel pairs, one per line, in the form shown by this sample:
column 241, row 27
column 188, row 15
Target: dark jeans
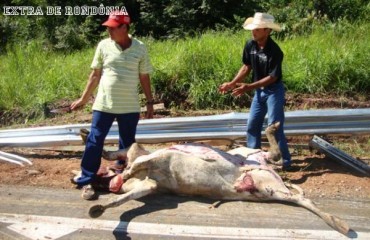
column 100, row 126
column 270, row 100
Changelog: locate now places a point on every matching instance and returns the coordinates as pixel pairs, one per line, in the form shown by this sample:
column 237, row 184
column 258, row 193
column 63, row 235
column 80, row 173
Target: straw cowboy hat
column 261, row 20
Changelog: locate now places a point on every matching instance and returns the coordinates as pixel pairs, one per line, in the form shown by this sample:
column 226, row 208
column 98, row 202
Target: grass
column 32, row 77
column 333, row 59
column 355, row 146
column 329, row 61
column 192, row 69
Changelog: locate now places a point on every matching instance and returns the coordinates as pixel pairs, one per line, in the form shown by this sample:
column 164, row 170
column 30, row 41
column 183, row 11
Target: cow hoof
column 96, row 211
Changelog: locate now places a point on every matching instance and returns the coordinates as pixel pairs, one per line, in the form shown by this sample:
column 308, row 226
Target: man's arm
column 145, row 85
column 91, row 85
column 244, row 87
column 240, row 76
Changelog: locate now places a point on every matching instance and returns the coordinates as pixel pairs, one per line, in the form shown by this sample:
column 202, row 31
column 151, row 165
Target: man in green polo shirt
column 120, row 63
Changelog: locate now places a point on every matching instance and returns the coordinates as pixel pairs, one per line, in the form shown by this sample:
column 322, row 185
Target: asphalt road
column 45, row 213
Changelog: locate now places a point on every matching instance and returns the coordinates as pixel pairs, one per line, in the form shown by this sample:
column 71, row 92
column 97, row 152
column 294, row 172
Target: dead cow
column 196, row 169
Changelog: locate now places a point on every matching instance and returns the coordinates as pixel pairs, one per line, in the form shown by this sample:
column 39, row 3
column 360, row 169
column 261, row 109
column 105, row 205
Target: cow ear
column 135, row 151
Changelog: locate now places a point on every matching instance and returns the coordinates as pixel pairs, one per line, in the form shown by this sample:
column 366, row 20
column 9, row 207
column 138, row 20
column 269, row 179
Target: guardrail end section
column 341, row 157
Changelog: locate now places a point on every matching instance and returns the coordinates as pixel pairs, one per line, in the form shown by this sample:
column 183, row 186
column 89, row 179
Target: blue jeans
column 270, row 100
column 100, row 126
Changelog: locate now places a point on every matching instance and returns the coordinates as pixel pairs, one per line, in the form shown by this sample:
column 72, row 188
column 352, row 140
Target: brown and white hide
column 201, row 170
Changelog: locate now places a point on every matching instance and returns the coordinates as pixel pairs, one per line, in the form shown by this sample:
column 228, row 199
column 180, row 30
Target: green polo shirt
column 118, row 87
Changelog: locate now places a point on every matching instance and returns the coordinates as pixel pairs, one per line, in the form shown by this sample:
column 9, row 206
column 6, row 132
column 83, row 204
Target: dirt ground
column 318, row 175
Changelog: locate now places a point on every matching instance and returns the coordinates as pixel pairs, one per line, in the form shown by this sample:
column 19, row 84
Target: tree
column 179, row 18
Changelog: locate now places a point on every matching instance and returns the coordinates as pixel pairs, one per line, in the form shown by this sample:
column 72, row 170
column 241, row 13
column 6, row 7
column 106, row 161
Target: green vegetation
column 32, row 77
column 189, row 71
column 168, row 19
column 331, row 59
column 194, row 47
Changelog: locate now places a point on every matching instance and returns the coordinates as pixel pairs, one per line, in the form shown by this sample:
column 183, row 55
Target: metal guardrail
column 12, row 158
column 339, row 156
column 225, row 126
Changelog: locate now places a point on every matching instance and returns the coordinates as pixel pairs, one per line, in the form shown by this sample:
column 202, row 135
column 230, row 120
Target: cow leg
column 139, row 189
column 107, row 155
column 115, row 155
column 275, row 154
column 265, row 185
column 142, row 163
column 215, row 204
column 296, row 187
column 298, row 198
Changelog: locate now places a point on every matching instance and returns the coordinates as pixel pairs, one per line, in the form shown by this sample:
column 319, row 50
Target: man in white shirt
column 119, row 64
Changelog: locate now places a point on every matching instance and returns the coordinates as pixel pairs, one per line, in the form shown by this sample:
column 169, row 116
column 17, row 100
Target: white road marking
column 49, row 227
column 40, row 231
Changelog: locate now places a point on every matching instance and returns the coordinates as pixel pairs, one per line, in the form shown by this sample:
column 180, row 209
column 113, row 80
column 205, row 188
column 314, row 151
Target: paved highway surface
column 44, row 213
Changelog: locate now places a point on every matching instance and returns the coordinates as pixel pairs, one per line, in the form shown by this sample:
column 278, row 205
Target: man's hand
column 149, row 111
column 92, row 83
column 225, row 87
column 242, row 74
column 77, row 104
column 241, row 89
